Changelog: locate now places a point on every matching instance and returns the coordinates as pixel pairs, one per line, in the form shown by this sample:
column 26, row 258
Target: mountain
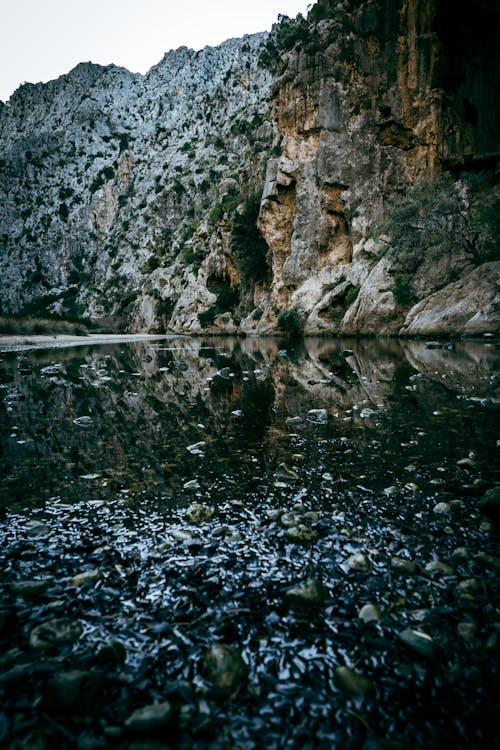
column 337, row 175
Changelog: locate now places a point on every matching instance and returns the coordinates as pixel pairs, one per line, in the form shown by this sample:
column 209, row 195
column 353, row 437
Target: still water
column 123, row 419
column 240, row 543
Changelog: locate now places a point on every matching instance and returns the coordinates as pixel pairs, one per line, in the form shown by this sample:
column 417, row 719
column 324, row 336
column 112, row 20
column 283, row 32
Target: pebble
column 36, row 529
column 150, row 718
column 226, row 667
column 88, row 576
column 283, row 472
column 310, row 592
column 54, row 633
column 287, row 520
column 404, row 566
column 199, row 513
column 301, row 534
column 370, row 613
column 417, row 641
column 359, row 562
column 29, row 588
column 351, row 682
column 84, row 421
column 317, row 416
column 440, row 566
column 467, row 630
column 193, row 484
column 441, row 508
column 294, row 421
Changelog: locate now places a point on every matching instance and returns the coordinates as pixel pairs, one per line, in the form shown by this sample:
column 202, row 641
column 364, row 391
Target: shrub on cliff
column 291, row 323
column 248, row 245
column 440, row 217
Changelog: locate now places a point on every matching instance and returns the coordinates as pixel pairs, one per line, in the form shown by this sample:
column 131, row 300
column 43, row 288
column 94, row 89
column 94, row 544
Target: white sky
column 42, row 39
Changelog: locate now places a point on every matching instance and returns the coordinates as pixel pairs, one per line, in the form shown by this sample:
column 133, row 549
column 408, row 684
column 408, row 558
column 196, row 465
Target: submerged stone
column 150, row 718
column 301, row 534
column 29, row 588
column 199, row 513
column 226, row 667
column 283, row 472
column 419, row 642
column 310, row 592
column 359, row 562
column 370, row 613
column 403, row 566
column 351, row 682
column 442, row 508
column 55, row 633
column 317, row 416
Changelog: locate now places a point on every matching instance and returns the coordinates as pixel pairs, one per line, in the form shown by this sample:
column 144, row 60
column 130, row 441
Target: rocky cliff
column 368, row 133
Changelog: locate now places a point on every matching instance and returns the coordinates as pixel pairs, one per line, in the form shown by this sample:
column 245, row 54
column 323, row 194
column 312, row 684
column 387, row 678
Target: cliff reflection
column 124, row 419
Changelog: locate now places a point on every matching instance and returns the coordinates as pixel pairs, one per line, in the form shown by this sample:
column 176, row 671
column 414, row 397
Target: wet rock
column 467, row 463
column 192, row 484
column 490, row 504
column 442, row 508
column 419, row 642
column 199, row 513
column 468, row 587
column 309, row 593
column 83, row 421
column 75, row 689
column 197, row 448
column 37, row 529
column 226, row 667
column 149, row 719
column 55, row 633
column 403, row 566
column 317, row 416
column 30, row 588
column 467, row 630
column 86, row 577
column 358, row 562
column 351, row 682
column 367, row 413
column 283, row 472
column 489, row 561
column 294, row 421
column 437, row 565
column 287, row 520
column 301, row 534
column 370, row 613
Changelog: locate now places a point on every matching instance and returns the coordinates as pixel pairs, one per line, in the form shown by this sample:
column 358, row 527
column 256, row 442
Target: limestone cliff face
column 376, row 96
column 128, row 198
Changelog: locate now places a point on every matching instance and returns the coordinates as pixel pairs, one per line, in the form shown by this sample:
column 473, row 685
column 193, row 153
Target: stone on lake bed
column 308, row 593
column 442, row 567
column 287, row 520
column 86, row 577
column 283, row 472
column 84, row 421
column 193, row 484
column 294, row 421
column 404, row 566
column 56, row 632
column 351, row 682
column 75, row 689
column 29, row 588
column 226, row 667
column 467, row 630
column 419, row 642
column 37, row 529
column 359, row 562
column 370, row 613
column 301, row 534
column 317, row 416
column 441, row 508
column 150, row 718
column 199, row 513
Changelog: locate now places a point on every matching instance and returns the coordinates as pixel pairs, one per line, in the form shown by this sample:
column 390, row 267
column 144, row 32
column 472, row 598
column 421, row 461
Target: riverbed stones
column 284, row 472
column 57, row 632
column 199, row 513
column 86, row 578
column 309, row 593
column 442, row 508
column 438, row 565
column 150, row 719
column 351, row 682
column 30, row 588
column 417, row 641
column 226, row 668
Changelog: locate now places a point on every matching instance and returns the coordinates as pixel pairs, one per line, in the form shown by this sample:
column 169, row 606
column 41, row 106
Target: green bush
column 291, row 323
column 352, row 294
column 249, row 247
column 402, row 290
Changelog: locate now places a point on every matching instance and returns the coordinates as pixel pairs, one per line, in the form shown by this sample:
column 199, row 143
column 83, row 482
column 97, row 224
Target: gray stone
column 31, row 588
column 317, row 416
column 301, row 534
column 442, row 508
column 226, row 667
column 359, row 562
column 404, row 566
column 370, row 613
column 283, row 472
column 56, row 632
column 419, row 642
column 199, row 513
column 351, row 682
column 310, row 592
column 150, row 718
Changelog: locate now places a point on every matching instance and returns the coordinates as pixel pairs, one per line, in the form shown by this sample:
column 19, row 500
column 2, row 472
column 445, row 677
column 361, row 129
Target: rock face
column 129, row 197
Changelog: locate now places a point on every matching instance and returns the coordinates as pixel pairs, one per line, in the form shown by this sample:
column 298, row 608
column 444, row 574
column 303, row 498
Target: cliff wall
column 135, row 199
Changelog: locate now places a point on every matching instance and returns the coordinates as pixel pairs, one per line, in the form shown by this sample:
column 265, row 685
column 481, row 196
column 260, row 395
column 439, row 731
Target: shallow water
column 375, row 450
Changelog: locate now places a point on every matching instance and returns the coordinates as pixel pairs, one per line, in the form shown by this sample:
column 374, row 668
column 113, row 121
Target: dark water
column 376, row 453
column 390, row 406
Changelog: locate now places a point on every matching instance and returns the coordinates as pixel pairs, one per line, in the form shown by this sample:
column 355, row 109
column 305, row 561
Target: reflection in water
column 104, row 420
